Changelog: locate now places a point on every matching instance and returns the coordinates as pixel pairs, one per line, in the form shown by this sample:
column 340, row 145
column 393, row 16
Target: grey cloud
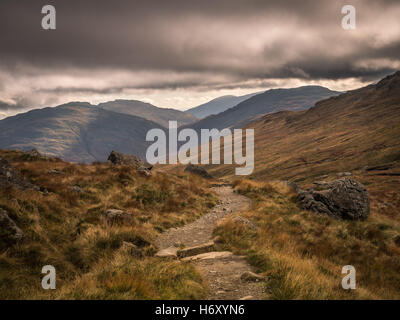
column 302, row 39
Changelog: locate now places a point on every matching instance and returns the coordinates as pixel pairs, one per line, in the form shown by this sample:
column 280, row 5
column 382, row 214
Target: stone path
column 229, row 277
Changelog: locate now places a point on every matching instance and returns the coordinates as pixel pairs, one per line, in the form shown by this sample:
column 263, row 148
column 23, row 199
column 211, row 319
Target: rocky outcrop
column 142, row 167
column 9, row 177
column 127, row 160
column 33, row 155
column 10, row 234
column 343, row 198
column 191, row 168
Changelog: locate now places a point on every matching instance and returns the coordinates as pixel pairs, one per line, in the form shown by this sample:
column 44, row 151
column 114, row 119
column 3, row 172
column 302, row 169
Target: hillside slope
column 77, row 132
column 270, row 101
column 218, row 105
column 347, row 132
column 97, row 257
column 148, row 111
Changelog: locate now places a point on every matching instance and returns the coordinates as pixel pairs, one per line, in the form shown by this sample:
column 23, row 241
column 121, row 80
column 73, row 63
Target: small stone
column 118, row 216
column 55, row 171
column 128, row 245
column 144, row 171
column 249, row 276
column 210, row 256
column 167, row 253
column 77, row 189
column 343, row 174
column 247, row 298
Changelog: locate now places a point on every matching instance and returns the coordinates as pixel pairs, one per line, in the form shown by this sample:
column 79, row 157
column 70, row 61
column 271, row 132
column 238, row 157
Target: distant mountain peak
column 148, row 111
column 77, row 104
column 218, row 105
column 390, row 82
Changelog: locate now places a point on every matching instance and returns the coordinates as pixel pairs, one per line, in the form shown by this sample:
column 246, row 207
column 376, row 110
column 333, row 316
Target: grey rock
column 247, row 298
column 10, row 177
column 214, row 255
column 131, row 248
column 342, row 198
column 115, row 216
column 55, row 171
column 293, row 185
column 192, row 251
column 117, row 158
column 249, row 276
column 142, row 167
column 77, row 189
column 170, row 252
column 10, row 234
column 343, row 174
column 34, row 155
column 128, row 245
column 144, row 171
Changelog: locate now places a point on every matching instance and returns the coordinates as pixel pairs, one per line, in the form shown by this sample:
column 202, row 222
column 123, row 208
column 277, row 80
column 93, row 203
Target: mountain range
column 148, row 111
column 218, row 105
column 356, row 129
column 77, row 132
column 298, row 126
column 267, row 102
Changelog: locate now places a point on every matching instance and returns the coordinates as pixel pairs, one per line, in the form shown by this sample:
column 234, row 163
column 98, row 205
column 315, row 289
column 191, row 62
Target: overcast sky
column 181, row 53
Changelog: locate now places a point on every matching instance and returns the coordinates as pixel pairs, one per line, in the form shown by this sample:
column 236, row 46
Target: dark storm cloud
column 170, row 44
column 10, row 107
column 151, row 34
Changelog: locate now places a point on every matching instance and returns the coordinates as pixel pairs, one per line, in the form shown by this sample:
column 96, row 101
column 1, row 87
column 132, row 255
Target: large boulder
column 343, row 198
column 10, row 234
column 142, row 167
column 127, row 160
column 191, row 168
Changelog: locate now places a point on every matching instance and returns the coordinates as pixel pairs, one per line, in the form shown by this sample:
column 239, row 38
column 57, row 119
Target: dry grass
column 66, row 229
column 303, row 253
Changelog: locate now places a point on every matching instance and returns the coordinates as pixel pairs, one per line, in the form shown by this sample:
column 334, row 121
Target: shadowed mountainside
column 343, row 133
column 270, row 101
column 148, row 111
column 218, row 105
column 77, row 132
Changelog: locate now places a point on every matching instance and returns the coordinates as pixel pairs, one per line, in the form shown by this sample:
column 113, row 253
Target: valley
column 122, row 229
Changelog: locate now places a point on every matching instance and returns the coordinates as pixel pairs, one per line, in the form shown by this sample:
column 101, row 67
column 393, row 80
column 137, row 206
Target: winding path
column 222, row 270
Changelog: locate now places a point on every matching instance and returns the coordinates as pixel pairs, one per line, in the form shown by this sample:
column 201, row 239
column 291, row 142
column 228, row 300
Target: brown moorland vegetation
column 302, row 253
column 66, row 228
